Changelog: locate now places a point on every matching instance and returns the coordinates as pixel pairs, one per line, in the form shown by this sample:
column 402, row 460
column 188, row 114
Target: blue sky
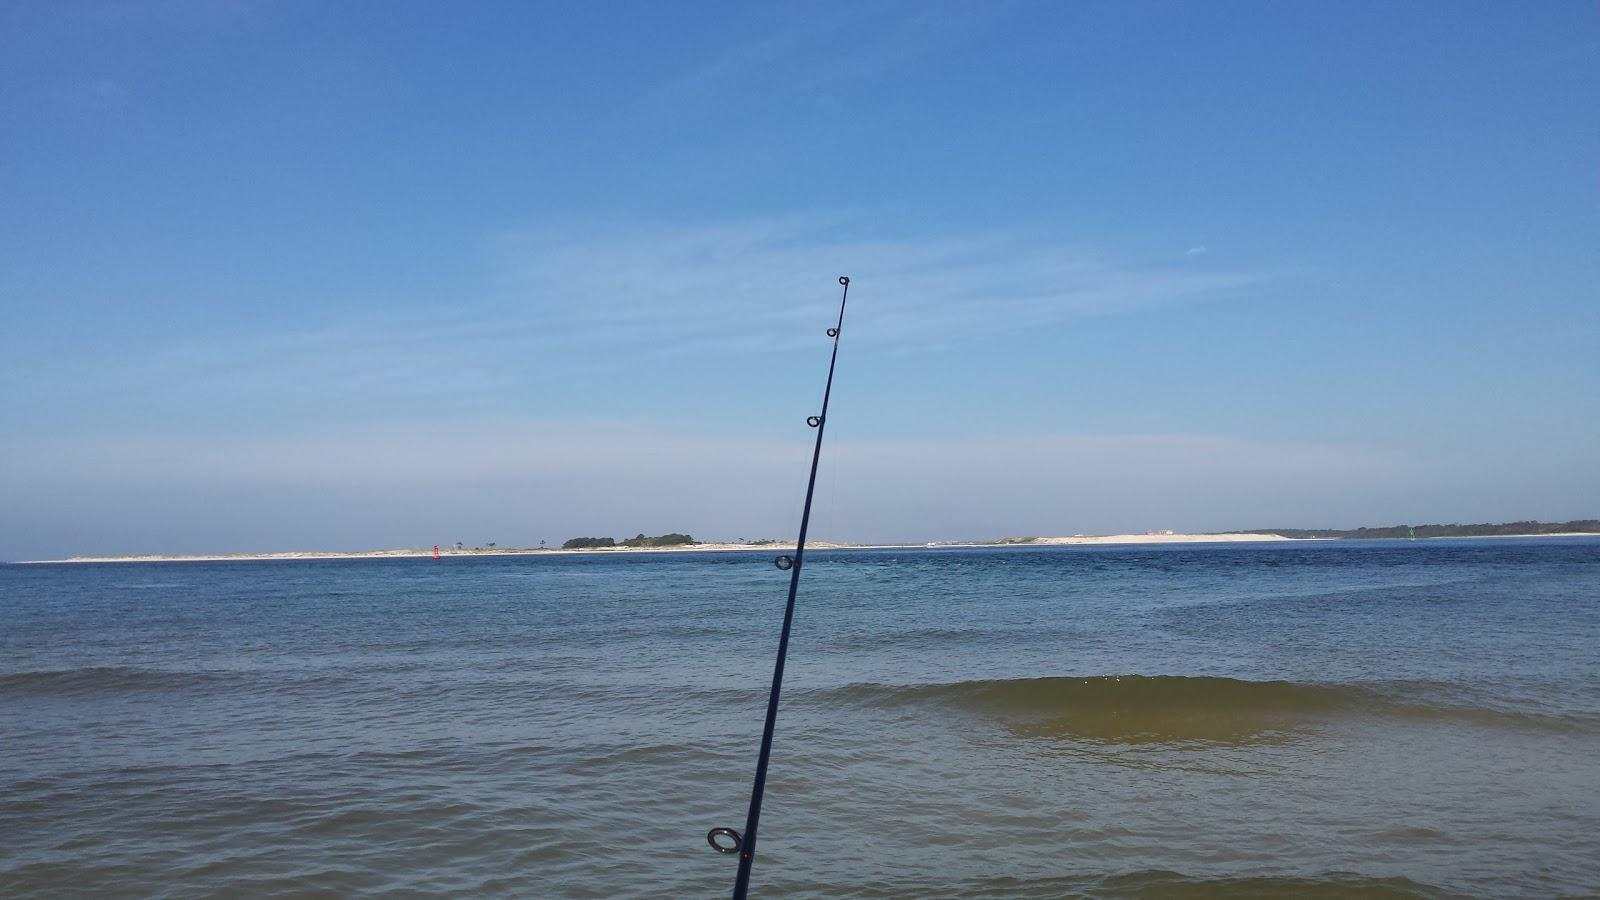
column 283, row 275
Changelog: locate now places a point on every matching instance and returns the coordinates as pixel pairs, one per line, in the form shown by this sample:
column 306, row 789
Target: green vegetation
column 1017, row 540
column 665, row 540
column 1577, row 526
column 588, row 543
column 639, row 540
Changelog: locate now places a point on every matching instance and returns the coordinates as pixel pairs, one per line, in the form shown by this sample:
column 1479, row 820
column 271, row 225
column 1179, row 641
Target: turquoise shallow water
column 1308, row 719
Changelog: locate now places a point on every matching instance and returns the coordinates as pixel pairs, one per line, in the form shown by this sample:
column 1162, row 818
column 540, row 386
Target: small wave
column 1180, row 709
column 1151, row 883
column 100, row 680
column 910, row 639
column 1172, row 884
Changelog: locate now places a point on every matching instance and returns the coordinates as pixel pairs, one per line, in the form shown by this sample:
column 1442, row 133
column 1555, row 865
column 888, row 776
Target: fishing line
column 726, row 840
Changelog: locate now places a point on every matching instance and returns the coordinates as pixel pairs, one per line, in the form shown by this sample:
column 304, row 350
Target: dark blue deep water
column 1321, row 719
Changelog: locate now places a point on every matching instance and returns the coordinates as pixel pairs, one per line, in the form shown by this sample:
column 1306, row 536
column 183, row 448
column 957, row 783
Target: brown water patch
column 1178, row 709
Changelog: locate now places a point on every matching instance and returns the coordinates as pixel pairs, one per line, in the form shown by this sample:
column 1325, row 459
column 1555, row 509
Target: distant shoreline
column 446, row 553
column 709, row 546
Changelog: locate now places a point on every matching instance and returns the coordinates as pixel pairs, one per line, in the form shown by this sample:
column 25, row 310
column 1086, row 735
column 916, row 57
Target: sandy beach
column 1164, row 537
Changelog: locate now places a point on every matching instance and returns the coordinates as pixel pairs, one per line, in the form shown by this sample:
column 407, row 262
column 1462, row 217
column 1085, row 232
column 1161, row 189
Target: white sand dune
column 1163, row 537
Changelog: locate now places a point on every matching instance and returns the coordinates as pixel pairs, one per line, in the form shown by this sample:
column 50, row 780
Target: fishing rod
column 745, row 844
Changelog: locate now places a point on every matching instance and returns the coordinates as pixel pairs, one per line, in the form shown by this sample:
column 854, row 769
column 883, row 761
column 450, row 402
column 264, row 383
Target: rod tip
column 844, row 279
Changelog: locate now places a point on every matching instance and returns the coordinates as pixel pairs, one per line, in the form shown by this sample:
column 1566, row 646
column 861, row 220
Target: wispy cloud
column 569, row 304
column 746, row 285
column 591, row 297
column 817, row 49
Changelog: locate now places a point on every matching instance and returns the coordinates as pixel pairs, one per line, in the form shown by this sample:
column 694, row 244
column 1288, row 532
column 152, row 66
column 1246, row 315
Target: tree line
column 1577, row 526
column 672, row 539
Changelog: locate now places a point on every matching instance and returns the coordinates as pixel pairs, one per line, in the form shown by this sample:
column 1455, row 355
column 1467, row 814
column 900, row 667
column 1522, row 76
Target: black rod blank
column 745, row 844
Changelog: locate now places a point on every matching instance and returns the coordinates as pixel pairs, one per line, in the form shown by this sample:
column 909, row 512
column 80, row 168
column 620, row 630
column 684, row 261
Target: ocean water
column 1328, row 719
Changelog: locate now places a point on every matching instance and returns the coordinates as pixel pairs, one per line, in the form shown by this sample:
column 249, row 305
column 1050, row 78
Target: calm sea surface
column 1384, row 719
